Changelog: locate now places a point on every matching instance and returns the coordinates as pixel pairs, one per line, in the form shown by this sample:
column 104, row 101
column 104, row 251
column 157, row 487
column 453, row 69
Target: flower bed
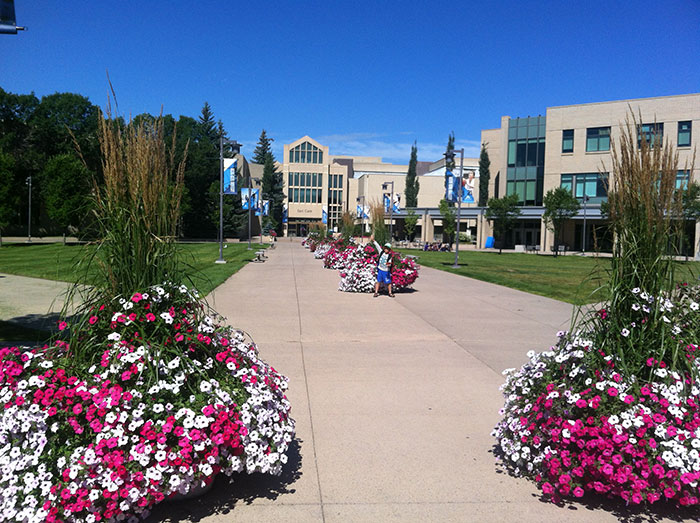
column 576, row 423
column 162, row 399
column 360, row 271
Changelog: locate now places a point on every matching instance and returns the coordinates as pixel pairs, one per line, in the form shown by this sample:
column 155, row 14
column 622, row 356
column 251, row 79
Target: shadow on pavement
column 240, row 489
column 44, row 322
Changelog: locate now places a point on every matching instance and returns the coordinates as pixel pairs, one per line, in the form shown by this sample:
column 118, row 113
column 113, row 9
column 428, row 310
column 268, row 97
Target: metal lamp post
column 583, row 236
column 29, row 214
column 222, row 140
column 449, row 155
column 385, row 186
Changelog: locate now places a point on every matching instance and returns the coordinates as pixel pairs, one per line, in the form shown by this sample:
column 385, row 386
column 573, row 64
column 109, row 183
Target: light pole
column 583, row 236
column 29, row 214
column 449, row 155
column 385, row 186
column 221, row 196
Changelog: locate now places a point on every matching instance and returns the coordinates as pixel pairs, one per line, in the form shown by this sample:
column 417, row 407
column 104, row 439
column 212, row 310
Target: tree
column 272, row 180
column 448, row 221
column 8, row 196
column 484, row 175
column 409, row 224
column 263, row 149
column 503, row 214
column 412, row 183
column 65, row 189
column 208, row 124
column 560, row 205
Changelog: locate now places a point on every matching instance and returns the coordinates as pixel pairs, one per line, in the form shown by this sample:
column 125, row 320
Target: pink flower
column 578, row 492
column 92, row 320
column 62, row 325
column 136, row 298
column 612, row 391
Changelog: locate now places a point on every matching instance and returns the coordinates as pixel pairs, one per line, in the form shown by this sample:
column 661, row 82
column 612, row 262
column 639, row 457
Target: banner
column 396, row 207
column 358, row 212
column 324, row 218
column 284, row 214
column 266, row 207
column 449, row 186
column 468, row 189
column 386, row 202
column 365, row 212
column 230, row 177
column 249, row 198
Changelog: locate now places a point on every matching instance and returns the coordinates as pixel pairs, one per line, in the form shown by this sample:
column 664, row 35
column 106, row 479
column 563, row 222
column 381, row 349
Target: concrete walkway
column 394, row 399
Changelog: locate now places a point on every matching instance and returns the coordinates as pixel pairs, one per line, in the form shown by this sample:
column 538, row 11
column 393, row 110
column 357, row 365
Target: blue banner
column 396, row 207
column 249, row 198
column 386, row 202
column 450, row 186
column 230, row 178
column 324, row 216
column 284, row 214
column 358, row 211
column 266, row 207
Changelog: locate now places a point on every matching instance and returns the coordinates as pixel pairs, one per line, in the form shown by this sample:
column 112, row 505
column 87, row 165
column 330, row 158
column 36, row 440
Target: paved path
column 394, row 399
column 32, row 302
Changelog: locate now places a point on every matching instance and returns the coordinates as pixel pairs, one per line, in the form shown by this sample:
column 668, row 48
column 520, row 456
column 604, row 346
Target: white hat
column 387, row 244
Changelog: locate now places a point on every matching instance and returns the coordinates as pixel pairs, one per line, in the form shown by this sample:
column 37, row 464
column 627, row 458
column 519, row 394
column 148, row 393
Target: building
column 316, row 180
column 571, row 147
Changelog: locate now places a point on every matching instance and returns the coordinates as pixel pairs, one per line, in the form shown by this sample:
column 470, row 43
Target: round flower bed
column 155, row 398
column 576, row 423
column 360, row 271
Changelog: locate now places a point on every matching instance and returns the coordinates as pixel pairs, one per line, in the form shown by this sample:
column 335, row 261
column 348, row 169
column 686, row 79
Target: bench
column 532, row 248
column 260, row 256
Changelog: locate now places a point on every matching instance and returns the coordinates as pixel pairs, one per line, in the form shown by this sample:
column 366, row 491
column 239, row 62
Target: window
column 306, row 187
column 682, row 179
column 597, row 139
column 651, row 133
column 305, row 153
column 567, row 141
column 684, row 133
column 592, row 185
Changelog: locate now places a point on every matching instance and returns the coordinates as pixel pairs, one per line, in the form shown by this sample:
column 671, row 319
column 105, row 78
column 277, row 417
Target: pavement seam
column 306, row 385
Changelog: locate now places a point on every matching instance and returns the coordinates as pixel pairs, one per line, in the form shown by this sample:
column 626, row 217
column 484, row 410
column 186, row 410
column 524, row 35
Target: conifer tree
column 272, row 181
column 484, row 176
column 412, row 183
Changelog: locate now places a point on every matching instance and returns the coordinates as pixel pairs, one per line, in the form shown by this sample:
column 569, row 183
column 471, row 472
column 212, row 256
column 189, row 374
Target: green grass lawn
column 572, row 279
column 57, row 262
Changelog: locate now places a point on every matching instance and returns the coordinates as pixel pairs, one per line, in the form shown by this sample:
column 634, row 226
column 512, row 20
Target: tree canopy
column 560, row 205
column 412, row 183
column 503, row 214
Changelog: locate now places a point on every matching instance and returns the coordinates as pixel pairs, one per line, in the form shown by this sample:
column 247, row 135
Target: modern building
column 571, row 147
column 316, row 181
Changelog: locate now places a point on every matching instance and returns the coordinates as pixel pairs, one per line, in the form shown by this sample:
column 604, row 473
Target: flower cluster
column 164, row 399
column 576, row 422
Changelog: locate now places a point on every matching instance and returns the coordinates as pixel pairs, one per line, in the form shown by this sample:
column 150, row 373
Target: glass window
column 566, row 181
column 320, row 156
column 682, row 178
column 651, row 133
column 511, row 153
column 684, row 133
column 340, row 181
column 567, row 141
column 308, row 195
column 296, row 195
column 532, row 153
column 290, row 179
column 530, row 192
column 520, row 154
column 306, row 153
column 597, row 139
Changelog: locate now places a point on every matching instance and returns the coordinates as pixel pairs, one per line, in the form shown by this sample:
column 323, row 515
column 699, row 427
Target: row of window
column 598, row 138
column 297, row 195
column 335, row 197
column 305, row 152
column 526, row 152
column 594, row 186
column 305, row 179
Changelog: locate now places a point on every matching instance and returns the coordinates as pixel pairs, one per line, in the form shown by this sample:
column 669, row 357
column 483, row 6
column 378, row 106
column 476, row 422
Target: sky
column 363, row 77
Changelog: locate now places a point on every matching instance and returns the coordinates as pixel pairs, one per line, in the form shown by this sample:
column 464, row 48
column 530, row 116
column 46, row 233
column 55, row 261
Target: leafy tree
column 412, row 183
column 448, row 221
column 560, row 205
column 503, row 214
column 65, row 189
column 8, row 196
column 484, row 175
column 409, row 224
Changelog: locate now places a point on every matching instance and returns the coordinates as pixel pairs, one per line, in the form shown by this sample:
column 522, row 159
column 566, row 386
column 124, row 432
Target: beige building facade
column 317, row 182
column 571, row 146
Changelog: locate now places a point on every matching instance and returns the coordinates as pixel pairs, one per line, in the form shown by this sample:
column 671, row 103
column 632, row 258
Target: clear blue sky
column 365, row 77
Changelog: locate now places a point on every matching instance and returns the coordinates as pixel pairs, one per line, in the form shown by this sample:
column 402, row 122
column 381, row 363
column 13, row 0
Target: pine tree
column 272, row 180
column 412, row 183
column 263, row 149
column 207, row 123
column 484, row 175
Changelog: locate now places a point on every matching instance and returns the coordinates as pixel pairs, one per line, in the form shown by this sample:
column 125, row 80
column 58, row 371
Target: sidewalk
column 394, row 399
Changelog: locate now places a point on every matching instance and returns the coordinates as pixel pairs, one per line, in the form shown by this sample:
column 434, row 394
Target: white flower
column 625, row 332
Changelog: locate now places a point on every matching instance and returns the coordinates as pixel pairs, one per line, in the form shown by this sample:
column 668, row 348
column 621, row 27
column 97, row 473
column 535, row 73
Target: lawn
column 572, row 279
column 57, row 261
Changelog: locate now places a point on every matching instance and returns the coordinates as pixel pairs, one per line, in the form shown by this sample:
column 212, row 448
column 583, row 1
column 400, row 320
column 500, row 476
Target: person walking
column 383, row 267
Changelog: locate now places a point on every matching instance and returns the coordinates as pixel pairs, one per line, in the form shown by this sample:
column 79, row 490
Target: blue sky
column 366, row 78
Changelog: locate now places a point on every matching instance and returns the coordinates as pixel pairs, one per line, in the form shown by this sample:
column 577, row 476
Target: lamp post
column 385, row 186
column 362, row 216
column 29, row 214
column 449, row 155
column 222, row 140
column 583, row 236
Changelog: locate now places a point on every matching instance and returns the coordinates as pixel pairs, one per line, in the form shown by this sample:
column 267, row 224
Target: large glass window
column 592, row 185
column 685, row 133
column 651, row 133
column 597, row 139
column 682, row 179
column 567, row 141
column 305, row 152
column 305, row 187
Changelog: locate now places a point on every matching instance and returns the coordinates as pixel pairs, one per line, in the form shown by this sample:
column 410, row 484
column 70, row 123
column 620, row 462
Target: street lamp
column 583, row 237
column 449, row 156
column 29, row 214
column 222, row 140
column 362, row 216
column 385, row 186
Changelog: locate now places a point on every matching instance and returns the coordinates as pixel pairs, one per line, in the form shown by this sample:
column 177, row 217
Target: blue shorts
column 383, row 277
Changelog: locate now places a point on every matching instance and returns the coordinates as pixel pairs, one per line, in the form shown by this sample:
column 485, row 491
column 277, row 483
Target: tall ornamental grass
column 379, row 228
column 640, row 320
